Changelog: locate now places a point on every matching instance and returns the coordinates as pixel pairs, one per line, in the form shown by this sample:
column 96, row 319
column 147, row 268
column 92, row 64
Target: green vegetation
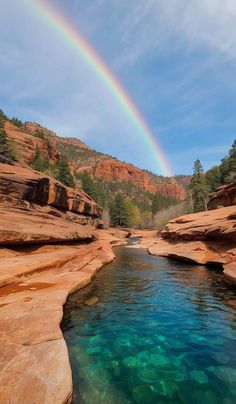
column 3, row 115
column 119, row 212
column 213, row 178
column 17, row 122
column 230, row 173
column 138, row 206
column 160, row 202
column 63, row 174
column 7, row 154
column 199, row 188
column 124, row 203
column 39, row 134
column 41, row 162
column 225, row 172
column 203, row 184
column 89, row 185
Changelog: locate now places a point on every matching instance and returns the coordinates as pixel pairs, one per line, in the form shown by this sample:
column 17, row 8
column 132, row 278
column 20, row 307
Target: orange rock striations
column 203, row 238
column 35, row 208
column 225, row 196
column 98, row 165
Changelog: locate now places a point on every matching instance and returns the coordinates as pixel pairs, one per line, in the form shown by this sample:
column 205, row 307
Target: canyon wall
column 97, row 165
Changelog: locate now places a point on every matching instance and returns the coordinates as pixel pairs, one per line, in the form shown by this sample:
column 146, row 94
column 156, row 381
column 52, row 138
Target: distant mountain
column 110, row 174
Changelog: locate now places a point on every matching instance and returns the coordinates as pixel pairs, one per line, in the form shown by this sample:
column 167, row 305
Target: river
column 151, row 330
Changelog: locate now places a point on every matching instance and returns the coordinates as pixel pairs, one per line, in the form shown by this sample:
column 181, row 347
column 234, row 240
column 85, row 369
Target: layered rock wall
column 203, row 238
column 225, row 196
column 35, row 208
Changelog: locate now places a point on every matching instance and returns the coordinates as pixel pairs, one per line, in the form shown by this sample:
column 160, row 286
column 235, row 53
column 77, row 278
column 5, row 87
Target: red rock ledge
column 203, row 238
column 36, row 276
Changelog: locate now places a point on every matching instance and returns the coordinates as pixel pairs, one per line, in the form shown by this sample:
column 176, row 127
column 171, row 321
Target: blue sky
column 176, row 59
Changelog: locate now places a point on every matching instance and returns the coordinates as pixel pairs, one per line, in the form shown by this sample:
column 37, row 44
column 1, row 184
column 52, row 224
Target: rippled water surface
column 149, row 330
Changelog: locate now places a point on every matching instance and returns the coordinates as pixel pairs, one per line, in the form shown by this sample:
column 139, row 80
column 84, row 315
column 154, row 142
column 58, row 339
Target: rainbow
column 53, row 18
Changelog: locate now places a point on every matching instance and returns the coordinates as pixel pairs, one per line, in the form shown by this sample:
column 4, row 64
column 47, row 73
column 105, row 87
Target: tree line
column 124, row 203
column 204, row 184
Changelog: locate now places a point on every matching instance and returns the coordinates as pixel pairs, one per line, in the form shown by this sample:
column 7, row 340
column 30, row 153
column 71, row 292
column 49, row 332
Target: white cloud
column 43, row 79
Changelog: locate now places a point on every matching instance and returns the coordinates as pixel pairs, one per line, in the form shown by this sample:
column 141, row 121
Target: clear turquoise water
column 160, row 332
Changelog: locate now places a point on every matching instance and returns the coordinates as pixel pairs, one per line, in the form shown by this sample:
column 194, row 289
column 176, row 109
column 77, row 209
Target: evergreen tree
column 2, row 115
column 232, row 163
column 228, row 166
column 224, row 170
column 64, row 175
column 40, row 162
column 199, row 188
column 89, row 186
column 160, row 202
column 213, row 177
column 17, row 122
column 6, row 153
column 119, row 212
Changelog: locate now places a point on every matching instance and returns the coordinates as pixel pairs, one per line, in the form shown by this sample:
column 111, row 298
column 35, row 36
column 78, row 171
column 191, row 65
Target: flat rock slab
column 202, row 238
column 30, row 226
column 35, row 284
column 218, row 224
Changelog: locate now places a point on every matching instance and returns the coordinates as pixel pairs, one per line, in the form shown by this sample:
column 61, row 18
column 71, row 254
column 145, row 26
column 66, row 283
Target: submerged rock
column 91, row 301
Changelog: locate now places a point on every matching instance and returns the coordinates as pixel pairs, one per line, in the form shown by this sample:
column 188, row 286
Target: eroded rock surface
column 35, row 208
column 204, row 238
column 35, row 283
column 36, row 276
column 114, row 170
column 225, row 196
column 99, row 166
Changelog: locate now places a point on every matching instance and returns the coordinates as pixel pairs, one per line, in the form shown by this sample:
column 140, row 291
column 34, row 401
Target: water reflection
column 159, row 332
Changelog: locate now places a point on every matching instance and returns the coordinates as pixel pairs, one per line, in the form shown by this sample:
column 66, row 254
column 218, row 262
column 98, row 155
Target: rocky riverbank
column 49, row 248
column 204, row 238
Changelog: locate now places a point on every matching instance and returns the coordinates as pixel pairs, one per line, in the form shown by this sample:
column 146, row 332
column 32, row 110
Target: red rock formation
column 225, row 196
column 205, row 237
column 36, row 285
column 219, row 224
column 25, row 144
column 37, row 208
column 114, row 170
column 35, row 280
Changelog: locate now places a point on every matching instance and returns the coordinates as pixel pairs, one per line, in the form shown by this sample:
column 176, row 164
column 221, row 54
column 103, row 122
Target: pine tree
column 64, row 175
column 160, row 202
column 2, row 115
column 119, row 212
column 228, row 166
column 232, row 163
column 213, row 177
column 224, row 170
column 199, row 188
column 89, row 186
column 6, row 153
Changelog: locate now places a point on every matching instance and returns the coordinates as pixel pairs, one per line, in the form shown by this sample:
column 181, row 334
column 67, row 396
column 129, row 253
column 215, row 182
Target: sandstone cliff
column 35, row 208
column 114, row 170
column 82, row 158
